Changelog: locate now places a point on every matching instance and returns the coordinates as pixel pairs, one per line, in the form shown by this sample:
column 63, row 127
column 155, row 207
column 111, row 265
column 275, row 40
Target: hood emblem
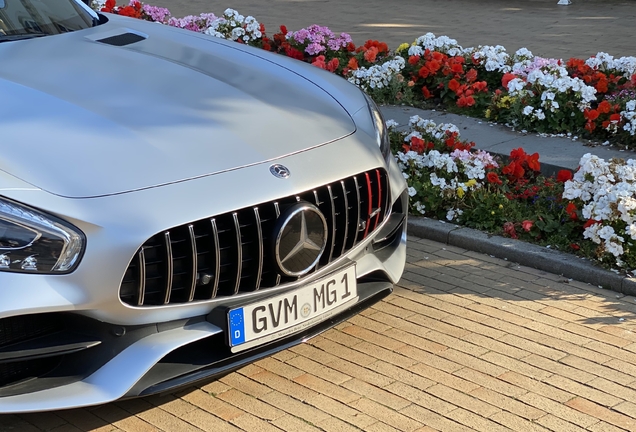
column 301, row 238
column 280, row 171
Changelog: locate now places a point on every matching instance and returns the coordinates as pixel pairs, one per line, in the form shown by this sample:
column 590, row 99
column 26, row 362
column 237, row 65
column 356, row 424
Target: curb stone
column 539, row 257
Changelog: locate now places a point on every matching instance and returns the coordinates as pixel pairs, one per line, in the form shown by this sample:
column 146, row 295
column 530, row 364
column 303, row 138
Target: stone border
column 539, row 257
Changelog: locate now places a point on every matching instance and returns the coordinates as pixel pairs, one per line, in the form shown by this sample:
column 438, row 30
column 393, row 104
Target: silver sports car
column 174, row 206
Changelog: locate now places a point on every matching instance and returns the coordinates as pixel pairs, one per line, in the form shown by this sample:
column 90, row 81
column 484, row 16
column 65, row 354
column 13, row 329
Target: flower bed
column 592, row 212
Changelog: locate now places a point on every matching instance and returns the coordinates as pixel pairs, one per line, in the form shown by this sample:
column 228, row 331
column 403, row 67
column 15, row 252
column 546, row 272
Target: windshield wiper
column 20, row 36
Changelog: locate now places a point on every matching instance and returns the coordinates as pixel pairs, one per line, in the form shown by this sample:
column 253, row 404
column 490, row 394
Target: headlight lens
column 381, row 132
column 33, row 242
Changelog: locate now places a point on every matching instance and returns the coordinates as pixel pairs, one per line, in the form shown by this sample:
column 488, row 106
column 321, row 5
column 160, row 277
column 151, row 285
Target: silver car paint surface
column 124, row 142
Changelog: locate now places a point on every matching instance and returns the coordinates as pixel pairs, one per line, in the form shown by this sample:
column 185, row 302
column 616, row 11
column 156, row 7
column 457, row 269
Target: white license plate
column 291, row 312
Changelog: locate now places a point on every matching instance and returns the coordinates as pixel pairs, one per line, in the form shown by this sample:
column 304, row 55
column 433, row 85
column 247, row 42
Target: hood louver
column 122, row 39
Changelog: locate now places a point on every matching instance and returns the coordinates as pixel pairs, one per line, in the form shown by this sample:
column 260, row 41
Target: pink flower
column 527, row 225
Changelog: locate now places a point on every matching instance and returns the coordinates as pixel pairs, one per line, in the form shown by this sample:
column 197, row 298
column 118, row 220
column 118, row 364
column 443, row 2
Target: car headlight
column 34, row 242
column 381, row 132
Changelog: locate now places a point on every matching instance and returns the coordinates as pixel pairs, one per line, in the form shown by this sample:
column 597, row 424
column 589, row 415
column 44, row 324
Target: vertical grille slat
column 358, row 220
column 259, row 233
column 239, row 253
column 217, row 258
column 169, row 267
column 346, row 218
column 195, row 263
column 232, row 252
column 141, row 283
column 379, row 195
column 332, row 238
column 369, row 206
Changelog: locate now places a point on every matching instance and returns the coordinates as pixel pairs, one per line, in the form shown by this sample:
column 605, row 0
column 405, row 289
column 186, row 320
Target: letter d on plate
column 237, row 326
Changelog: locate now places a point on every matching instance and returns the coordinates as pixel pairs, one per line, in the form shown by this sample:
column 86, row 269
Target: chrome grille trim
column 358, row 218
column 141, row 282
column 217, row 259
column 231, row 253
column 195, row 264
column 259, row 232
column 169, row 268
column 346, row 213
column 332, row 237
column 239, row 252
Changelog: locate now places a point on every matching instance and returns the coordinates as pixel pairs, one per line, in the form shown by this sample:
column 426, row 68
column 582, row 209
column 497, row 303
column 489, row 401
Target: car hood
column 84, row 118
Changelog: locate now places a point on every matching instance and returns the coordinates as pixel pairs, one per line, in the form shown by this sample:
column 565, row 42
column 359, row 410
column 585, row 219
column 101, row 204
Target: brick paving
column 547, row 29
column 466, row 342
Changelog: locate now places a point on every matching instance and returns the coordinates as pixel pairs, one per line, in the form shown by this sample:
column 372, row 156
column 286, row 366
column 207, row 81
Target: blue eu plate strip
column 237, row 326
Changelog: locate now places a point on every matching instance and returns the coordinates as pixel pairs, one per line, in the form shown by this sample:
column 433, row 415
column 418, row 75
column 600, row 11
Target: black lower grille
column 232, row 252
column 19, row 329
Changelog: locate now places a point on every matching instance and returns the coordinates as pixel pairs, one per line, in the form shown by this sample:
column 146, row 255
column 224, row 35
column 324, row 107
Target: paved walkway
column 466, row 342
column 581, row 29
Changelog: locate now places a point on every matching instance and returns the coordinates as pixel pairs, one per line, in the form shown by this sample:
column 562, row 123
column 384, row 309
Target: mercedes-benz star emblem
column 301, row 238
column 280, row 171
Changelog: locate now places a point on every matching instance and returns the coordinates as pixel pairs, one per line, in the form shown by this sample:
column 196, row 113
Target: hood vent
column 122, row 39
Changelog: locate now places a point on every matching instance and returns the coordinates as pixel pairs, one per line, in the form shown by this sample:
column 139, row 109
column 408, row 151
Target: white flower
column 412, row 191
column 421, row 208
column 528, row 110
column 515, row 85
column 390, row 124
column 377, row 76
column 453, row 213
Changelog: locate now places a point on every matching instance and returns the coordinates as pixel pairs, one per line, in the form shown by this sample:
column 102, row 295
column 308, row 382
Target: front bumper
column 89, row 348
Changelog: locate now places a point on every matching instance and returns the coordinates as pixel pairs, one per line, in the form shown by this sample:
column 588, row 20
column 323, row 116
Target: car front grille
column 233, row 252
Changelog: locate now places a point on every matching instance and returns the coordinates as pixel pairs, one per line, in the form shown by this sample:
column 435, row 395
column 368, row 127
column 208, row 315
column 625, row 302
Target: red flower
column 574, row 246
column 513, row 170
column 604, row 107
column 353, row 63
column 417, row 144
column 371, row 54
column 471, row 75
column 615, row 118
column 457, row 68
column 424, row 72
column 480, row 86
column 590, row 114
column 109, row 5
column 493, row 178
column 283, row 30
column 319, row 62
column 333, row 64
column 517, row 154
column 294, row 53
column 533, row 162
column 527, row 225
column 590, row 222
column 433, row 65
column 414, row 59
column 509, row 228
column 570, row 209
column 453, row 85
column 564, row 175
column 506, row 79
column 427, row 94
column 130, row 11
column 465, row 101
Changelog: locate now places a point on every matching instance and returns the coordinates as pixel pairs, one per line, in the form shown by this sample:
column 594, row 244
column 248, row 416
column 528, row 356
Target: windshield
column 44, row 17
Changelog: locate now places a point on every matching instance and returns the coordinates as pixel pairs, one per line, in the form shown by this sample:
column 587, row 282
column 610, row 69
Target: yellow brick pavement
column 467, row 342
